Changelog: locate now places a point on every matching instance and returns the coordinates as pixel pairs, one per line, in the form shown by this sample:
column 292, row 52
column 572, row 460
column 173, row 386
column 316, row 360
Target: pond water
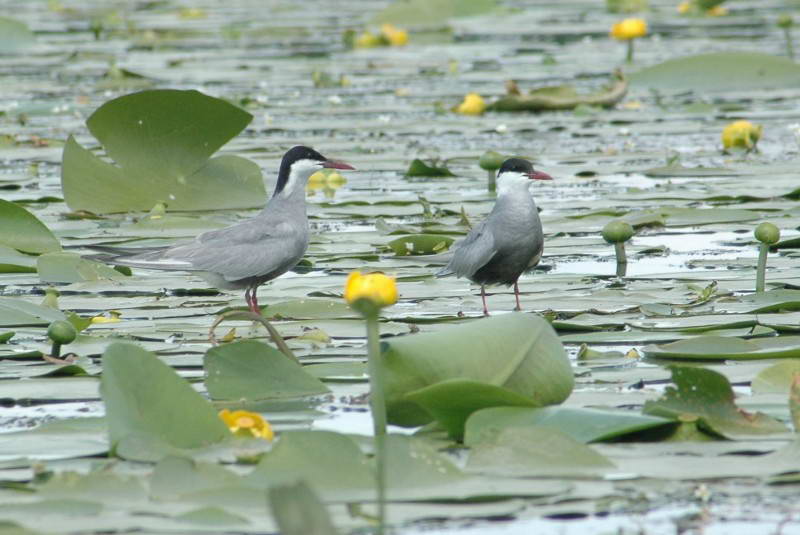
column 694, row 224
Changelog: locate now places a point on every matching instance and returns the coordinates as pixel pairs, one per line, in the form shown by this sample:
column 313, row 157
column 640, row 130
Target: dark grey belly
column 506, row 268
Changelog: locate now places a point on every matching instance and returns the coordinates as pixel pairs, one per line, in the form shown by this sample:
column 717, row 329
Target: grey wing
column 250, row 249
column 472, row 254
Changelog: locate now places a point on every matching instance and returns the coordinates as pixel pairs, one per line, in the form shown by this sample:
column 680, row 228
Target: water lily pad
column 716, row 71
column 21, row 230
column 298, row 511
column 161, row 141
column 420, row 244
column 420, row 168
column 70, row 267
column 431, row 12
column 145, row 397
column 777, row 379
column 582, row 424
column 708, row 347
column 708, row 395
column 518, row 352
column 251, row 370
column 14, row 35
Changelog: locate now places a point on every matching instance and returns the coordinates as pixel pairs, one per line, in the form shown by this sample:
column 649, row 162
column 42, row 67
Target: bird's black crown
column 516, row 165
column 295, row 154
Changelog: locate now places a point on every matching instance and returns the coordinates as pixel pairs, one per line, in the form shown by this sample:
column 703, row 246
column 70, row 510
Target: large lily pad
column 21, row 230
column 708, row 347
column 161, row 141
column 145, row 398
column 520, row 353
column 14, row 35
column 431, row 12
column 251, row 370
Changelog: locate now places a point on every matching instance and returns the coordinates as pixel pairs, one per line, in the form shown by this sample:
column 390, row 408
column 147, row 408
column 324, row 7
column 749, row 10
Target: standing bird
column 250, row 253
column 509, row 240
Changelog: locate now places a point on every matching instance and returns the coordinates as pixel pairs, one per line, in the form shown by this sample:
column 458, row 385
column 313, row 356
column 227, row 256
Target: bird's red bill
column 539, row 175
column 334, row 164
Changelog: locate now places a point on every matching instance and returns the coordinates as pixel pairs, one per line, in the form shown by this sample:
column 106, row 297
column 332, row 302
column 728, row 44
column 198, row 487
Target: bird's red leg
column 483, row 296
column 254, row 301
column 247, row 298
column 516, row 294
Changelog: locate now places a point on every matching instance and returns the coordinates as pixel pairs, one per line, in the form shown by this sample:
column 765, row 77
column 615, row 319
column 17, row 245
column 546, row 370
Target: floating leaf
column 12, row 261
column 146, row 398
column 535, row 451
column 298, row 511
column 251, row 370
column 718, row 70
column 582, row 424
column 70, row 267
column 431, row 12
column 433, row 168
column 559, row 97
column 420, row 244
column 777, row 379
column 709, row 396
column 518, row 352
column 21, row 230
column 726, row 348
column 14, row 35
column 161, row 141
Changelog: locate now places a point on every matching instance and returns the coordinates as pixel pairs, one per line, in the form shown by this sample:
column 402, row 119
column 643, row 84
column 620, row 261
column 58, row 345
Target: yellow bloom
column 629, row 29
column 111, row 317
column 717, row 11
column 473, row 104
column 741, row 135
column 367, row 40
column 684, row 7
column 395, row 36
column 247, row 424
column 378, row 288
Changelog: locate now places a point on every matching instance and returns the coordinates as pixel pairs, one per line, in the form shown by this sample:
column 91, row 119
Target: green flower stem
column 492, row 180
column 378, row 406
column 55, row 351
column 763, row 249
column 629, row 55
column 787, row 32
column 619, row 250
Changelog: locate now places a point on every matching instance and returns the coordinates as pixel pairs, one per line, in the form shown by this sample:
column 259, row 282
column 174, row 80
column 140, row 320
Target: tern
column 250, row 253
column 510, row 240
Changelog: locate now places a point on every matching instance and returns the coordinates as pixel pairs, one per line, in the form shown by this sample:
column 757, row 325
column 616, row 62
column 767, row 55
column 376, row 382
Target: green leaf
column 15, row 312
column 251, row 370
column 12, row 261
column 145, row 397
column 431, row 12
column 582, row 424
column 708, row 395
column 21, row 230
column 420, row 168
column 299, row 511
column 161, row 141
column 70, row 267
column 14, row 35
column 519, row 352
column 535, row 451
column 213, row 516
column 709, row 347
column 420, row 244
column 777, row 379
column 720, row 71
column 452, row 401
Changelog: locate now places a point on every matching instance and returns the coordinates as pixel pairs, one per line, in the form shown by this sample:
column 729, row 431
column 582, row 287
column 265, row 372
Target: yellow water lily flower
column 247, row 424
column 395, row 36
column 684, row 7
column 473, row 104
column 741, row 135
column 377, row 288
column 629, row 29
column 112, row 316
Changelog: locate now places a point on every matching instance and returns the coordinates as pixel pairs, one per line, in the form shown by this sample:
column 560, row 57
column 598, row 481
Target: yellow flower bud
column 684, row 7
column 629, row 29
column 473, row 104
column 247, row 424
column 741, row 135
column 367, row 40
column 395, row 36
column 379, row 289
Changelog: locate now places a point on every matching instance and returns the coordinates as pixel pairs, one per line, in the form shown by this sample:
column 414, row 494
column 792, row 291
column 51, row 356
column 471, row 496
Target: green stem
column 763, row 249
column 492, row 182
column 629, row 55
column 619, row 249
column 789, row 44
column 277, row 339
column 378, row 406
column 55, row 351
